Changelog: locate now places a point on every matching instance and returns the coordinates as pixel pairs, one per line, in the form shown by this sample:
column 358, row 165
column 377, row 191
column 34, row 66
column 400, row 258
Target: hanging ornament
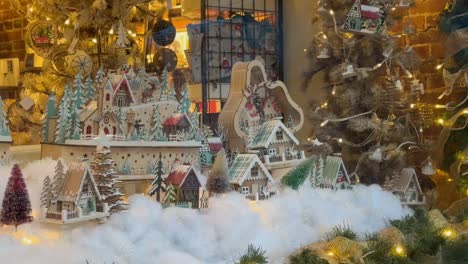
column 164, row 32
column 324, row 52
column 417, row 86
column 398, row 84
column 348, row 71
column 42, row 38
column 377, row 154
column 122, row 41
column 78, row 62
column 165, row 58
column 427, row 168
column 365, row 19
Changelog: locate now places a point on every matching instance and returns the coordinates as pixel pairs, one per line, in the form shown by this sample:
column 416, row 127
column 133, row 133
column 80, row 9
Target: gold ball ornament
column 79, row 62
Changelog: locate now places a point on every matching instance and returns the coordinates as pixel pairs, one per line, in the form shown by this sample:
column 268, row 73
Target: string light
column 412, row 105
column 450, row 180
column 393, row 8
column 439, row 106
column 340, row 140
column 67, row 22
column 111, row 31
column 94, row 41
column 331, row 12
column 305, row 50
column 31, row 9
column 438, row 67
column 331, row 254
column 399, row 250
column 47, row 18
column 440, row 121
column 448, row 233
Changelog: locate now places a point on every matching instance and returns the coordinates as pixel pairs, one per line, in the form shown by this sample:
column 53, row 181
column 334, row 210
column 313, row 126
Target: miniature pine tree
column 90, row 93
column 184, row 106
column 170, row 194
column 122, row 33
column 195, row 130
column 218, row 179
column 61, row 128
column 59, row 177
column 164, row 85
column 157, row 130
column 106, row 180
column 78, row 96
column 172, row 95
column 49, row 112
column 99, row 75
column 47, row 194
column 158, row 182
column 74, row 125
column 16, row 206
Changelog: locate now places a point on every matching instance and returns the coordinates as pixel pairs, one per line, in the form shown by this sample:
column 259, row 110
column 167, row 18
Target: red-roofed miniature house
column 177, row 122
column 186, row 181
column 365, row 19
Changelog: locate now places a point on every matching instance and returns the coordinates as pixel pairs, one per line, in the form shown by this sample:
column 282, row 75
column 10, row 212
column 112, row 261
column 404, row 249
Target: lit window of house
column 254, row 171
column 279, row 135
column 107, row 97
column 245, row 190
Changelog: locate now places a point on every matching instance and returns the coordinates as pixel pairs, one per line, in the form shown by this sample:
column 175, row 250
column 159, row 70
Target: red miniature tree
column 16, row 207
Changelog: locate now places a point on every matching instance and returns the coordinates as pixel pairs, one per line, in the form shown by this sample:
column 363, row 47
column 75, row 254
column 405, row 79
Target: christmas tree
column 90, row 92
column 78, row 96
column 16, row 207
column 103, row 170
column 122, row 40
column 99, row 75
column 121, row 117
column 184, row 106
column 49, row 112
column 74, row 124
column 47, row 195
column 63, row 117
column 370, row 85
column 170, row 196
column 158, row 183
column 157, row 130
column 59, row 177
column 195, row 130
column 218, row 179
column 164, row 85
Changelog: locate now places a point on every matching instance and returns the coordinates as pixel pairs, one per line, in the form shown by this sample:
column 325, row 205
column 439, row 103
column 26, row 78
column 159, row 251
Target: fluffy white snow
column 148, row 234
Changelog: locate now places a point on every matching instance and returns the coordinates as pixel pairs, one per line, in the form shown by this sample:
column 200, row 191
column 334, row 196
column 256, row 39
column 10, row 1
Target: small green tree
column 184, row 106
column 164, row 85
column 254, row 255
column 157, row 129
column 78, row 83
column 158, row 183
column 170, row 194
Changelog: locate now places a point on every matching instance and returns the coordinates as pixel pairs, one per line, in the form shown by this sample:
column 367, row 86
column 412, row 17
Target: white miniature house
column 250, row 177
column 78, row 198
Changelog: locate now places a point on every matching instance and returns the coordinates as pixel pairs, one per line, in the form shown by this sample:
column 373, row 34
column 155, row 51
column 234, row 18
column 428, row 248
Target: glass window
column 279, row 135
column 254, row 171
column 107, row 97
column 245, row 190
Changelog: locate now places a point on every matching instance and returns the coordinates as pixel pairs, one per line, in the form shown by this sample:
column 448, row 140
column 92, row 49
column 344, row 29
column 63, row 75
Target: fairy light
column 48, row 18
column 450, row 180
column 448, row 233
column 324, row 37
column 305, row 50
column 412, row 105
column 333, row 92
column 134, row 35
column 130, row 32
column 31, row 9
column 26, row 241
column 340, row 140
column 111, row 31
column 67, row 22
column 330, row 254
column 440, row 121
column 94, row 41
column 331, row 12
column 393, row 8
column 439, row 106
column 440, row 66
column 324, row 123
column 399, row 250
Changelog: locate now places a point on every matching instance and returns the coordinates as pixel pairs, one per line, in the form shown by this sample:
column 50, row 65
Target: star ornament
column 103, row 140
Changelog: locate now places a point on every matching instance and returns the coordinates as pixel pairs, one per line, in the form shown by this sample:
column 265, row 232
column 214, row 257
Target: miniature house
column 186, row 181
column 177, row 123
column 249, row 176
column 78, row 198
column 406, row 186
column 364, row 19
column 276, row 143
column 335, row 175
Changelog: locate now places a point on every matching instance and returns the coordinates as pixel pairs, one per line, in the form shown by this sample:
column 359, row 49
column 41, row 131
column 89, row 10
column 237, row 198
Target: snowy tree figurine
column 157, row 129
column 63, row 113
column 170, row 196
column 218, row 179
column 16, row 206
column 103, row 170
column 122, row 40
column 164, row 85
column 47, row 194
column 59, row 177
column 89, row 93
column 158, row 182
column 99, row 75
column 78, row 96
column 184, row 106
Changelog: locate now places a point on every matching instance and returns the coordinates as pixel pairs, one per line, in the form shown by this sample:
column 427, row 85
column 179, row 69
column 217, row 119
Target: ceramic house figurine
column 330, row 173
column 249, row 176
column 324, row 52
column 365, row 19
column 75, row 197
column 348, row 71
column 417, row 86
column 406, row 186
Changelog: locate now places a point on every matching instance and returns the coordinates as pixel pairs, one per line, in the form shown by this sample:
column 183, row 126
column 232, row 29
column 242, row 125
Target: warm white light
column 129, row 32
column 438, row 67
column 324, row 36
column 134, row 35
column 379, row 65
column 67, row 22
column 26, row 241
column 333, row 92
column 31, row 9
column 393, row 8
column 447, row 233
column 331, row 254
column 47, row 18
column 465, row 112
column 340, row 140
column 324, row 123
column 412, row 105
column 111, row 31
column 94, row 40
column 439, row 106
column 305, row 50
column 331, row 12
column 440, row 121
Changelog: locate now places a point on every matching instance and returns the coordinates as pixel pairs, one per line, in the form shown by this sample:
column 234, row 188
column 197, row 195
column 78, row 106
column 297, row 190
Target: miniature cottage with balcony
column 78, row 198
column 186, row 181
column 250, row 177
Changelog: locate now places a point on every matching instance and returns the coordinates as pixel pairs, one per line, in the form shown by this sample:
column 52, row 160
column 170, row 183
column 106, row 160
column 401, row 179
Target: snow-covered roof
column 407, row 175
column 242, row 165
column 179, row 173
column 73, row 183
column 88, row 111
column 175, row 118
column 267, row 134
column 215, row 144
column 371, row 12
column 330, row 171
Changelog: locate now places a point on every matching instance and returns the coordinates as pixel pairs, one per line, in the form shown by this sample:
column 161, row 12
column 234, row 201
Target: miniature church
column 406, row 186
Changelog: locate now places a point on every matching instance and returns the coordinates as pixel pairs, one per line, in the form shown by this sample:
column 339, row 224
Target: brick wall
column 427, row 42
column 12, row 32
